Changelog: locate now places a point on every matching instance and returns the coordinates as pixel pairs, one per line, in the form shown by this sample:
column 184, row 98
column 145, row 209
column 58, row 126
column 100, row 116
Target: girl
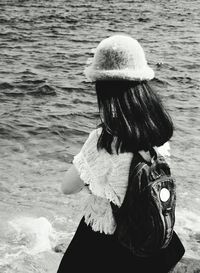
column 133, row 119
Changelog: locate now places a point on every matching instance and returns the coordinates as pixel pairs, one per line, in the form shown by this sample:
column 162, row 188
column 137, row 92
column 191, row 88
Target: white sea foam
column 36, row 233
column 27, row 236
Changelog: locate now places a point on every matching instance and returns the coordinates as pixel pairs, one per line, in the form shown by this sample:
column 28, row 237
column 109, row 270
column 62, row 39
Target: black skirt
column 91, row 251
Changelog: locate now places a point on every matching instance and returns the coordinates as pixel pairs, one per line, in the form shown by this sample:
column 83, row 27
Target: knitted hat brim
column 93, row 75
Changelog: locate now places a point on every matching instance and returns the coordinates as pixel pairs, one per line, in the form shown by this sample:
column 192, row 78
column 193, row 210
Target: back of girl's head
column 133, row 117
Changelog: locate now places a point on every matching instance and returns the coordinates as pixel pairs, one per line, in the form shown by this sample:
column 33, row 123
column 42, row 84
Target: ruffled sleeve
column 104, row 173
column 93, row 165
column 80, row 161
column 95, row 168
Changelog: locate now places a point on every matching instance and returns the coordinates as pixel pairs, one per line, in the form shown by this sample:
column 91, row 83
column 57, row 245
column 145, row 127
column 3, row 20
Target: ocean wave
column 14, row 93
column 143, row 19
column 182, row 79
column 9, row 130
column 29, row 88
column 63, row 130
column 81, row 101
column 6, row 85
column 26, row 235
column 26, row 238
column 44, row 90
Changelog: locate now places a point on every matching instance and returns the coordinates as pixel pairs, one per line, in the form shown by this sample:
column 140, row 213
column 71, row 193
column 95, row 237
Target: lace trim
column 111, row 195
column 98, row 214
column 82, row 168
column 100, row 183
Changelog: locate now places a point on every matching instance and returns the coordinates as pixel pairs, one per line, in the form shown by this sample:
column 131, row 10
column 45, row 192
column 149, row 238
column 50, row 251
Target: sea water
column 48, row 108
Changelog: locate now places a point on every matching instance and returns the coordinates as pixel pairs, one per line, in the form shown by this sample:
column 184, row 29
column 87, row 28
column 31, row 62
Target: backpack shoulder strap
column 138, row 162
column 140, row 159
column 149, row 157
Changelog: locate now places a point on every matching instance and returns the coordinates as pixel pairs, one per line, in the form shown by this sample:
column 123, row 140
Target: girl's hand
column 72, row 182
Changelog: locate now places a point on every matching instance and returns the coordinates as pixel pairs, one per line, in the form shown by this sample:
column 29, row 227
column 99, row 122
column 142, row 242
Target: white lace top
column 107, row 177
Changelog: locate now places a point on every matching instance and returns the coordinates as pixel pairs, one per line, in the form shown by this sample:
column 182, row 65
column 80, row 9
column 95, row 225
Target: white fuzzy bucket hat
column 119, row 57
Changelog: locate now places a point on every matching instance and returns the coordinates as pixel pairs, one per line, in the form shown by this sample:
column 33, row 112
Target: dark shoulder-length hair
column 133, row 117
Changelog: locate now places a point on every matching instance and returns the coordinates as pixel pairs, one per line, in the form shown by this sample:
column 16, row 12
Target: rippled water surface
column 48, row 108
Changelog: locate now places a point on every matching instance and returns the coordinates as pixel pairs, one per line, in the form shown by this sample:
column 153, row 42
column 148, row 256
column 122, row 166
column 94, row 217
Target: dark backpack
column 146, row 217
